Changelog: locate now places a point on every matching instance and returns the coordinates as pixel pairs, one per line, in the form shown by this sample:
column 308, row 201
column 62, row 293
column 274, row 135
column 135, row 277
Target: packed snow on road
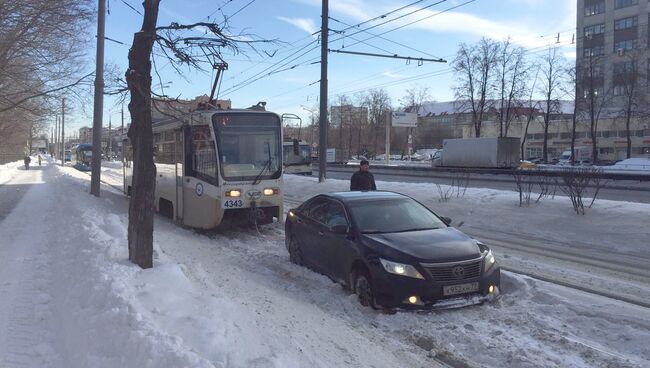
column 71, row 298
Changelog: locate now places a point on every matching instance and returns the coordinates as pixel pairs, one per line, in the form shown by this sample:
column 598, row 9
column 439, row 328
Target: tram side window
column 204, row 155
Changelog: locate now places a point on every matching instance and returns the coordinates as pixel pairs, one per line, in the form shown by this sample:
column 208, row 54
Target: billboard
column 404, row 119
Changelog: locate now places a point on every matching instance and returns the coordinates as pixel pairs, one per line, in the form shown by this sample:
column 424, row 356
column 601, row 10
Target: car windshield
column 393, row 215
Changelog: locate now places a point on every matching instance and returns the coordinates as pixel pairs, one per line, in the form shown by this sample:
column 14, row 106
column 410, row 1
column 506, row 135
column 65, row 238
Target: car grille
column 453, row 272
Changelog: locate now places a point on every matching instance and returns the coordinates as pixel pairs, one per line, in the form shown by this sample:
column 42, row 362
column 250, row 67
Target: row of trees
column 355, row 132
column 503, row 80
column 42, row 57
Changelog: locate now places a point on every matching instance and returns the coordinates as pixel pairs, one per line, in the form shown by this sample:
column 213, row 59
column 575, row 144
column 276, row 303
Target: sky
column 433, row 32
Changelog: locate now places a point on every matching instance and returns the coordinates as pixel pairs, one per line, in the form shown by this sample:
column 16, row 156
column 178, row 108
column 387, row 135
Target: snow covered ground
column 70, row 297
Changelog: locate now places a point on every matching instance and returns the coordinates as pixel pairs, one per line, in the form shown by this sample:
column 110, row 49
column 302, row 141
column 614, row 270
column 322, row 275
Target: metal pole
column 388, row 124
column 322, row 149
column 99, row 102
column 56, row 136
column 110, row 142
column 63, row 132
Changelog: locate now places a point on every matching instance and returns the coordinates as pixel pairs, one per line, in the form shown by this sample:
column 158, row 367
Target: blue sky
column 531, row 23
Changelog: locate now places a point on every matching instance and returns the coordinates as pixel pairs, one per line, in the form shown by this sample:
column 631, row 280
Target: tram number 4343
column 233, row 203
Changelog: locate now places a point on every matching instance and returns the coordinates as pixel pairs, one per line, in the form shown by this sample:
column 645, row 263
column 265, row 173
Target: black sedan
column 390, row 250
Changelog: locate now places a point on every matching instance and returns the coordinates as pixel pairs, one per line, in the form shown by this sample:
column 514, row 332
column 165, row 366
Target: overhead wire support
column 395, row 56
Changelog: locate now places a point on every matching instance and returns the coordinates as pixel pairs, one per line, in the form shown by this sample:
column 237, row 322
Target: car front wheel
column 295, row 254
column 363, row 289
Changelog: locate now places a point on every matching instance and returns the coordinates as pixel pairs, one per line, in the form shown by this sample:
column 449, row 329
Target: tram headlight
column 271, row 191
column 233, row 193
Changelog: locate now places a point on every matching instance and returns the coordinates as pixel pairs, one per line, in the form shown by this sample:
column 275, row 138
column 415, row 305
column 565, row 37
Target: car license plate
column 460, row 289
column 233, row 203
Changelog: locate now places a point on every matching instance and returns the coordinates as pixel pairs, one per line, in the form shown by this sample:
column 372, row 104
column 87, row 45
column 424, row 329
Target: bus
column 81, row 156
column 216, row 167
column 296, row 157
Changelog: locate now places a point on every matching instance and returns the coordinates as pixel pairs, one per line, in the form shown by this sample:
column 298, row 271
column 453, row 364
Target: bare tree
column 569, row 90
column 592, row 97
column 378, row 103
column 512, row 71
column 413, row 100
column 41, row 48
column 474, row 68
column 551, row 81
column 629, row 78
column 181, row 51
column 531, row 108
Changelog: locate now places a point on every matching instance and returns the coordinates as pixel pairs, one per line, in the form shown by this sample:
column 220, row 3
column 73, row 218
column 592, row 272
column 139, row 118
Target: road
column 634, row 191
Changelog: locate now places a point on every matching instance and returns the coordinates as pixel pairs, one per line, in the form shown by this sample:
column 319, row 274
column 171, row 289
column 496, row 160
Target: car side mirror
column 339, row 229
column 446, row 220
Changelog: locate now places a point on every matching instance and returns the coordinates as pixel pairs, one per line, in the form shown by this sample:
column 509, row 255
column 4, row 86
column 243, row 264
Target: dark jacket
column 362, row 181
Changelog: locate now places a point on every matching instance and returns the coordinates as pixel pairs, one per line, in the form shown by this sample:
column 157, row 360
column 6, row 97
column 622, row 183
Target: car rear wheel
column 295, row 254
column 363, row 289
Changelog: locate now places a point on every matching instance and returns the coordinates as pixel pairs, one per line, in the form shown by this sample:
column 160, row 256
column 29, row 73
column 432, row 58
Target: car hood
column 439, row 245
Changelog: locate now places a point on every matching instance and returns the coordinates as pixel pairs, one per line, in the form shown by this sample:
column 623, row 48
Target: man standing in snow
column 27, row 160
column 363, row 179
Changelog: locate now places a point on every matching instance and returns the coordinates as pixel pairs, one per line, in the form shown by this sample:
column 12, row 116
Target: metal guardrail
column 431, row 171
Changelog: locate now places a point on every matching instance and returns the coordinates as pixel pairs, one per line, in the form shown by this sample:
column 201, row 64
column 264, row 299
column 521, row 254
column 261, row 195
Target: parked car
column 390, row 250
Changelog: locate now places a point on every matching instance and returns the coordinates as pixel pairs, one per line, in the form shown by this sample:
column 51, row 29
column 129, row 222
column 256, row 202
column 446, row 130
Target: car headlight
column 489, row 262
column 401, row 269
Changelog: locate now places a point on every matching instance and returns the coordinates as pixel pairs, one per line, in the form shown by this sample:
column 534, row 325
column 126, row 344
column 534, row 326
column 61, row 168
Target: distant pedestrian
column 27, row 160
column 39, row 160
column 363, row 179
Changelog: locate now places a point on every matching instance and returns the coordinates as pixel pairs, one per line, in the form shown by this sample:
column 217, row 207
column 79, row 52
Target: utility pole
column 63, row 132
column 388, row 122
column 56, row 136
column 322, row 147
column 98, row 111
column 110, row 142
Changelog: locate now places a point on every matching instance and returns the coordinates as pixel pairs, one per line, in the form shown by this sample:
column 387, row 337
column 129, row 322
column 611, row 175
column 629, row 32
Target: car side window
column 336, row 215
column 317, row 210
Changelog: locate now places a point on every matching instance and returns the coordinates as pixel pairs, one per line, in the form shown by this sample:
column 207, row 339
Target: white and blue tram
column 216, row 166
column 296, row 157
column 81, row 157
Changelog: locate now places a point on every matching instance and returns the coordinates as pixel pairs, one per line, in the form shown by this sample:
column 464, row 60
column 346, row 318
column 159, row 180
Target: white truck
column 488, row 152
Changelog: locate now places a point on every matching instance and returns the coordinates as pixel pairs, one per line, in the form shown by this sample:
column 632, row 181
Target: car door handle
column 321, row 233
column 299, row 221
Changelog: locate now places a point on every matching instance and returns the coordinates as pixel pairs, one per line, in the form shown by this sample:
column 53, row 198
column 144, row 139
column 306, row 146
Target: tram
column 296, row 157
column 81, row 157
column 216, row 166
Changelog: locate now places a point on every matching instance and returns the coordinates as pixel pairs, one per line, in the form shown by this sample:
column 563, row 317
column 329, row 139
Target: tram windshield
column 248, row 146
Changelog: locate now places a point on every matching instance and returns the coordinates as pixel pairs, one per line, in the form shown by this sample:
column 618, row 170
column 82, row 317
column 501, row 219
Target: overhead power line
column 398, row 18
column 419, row 60
column 388, row 39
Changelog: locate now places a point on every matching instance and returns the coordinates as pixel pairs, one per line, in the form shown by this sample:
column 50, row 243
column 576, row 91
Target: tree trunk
column 573, row 136
column 627, row 133
column 138, row 77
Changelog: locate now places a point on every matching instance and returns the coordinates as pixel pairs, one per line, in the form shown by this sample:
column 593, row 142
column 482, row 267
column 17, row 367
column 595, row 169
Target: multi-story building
column 611, row 135
column 613, row 39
